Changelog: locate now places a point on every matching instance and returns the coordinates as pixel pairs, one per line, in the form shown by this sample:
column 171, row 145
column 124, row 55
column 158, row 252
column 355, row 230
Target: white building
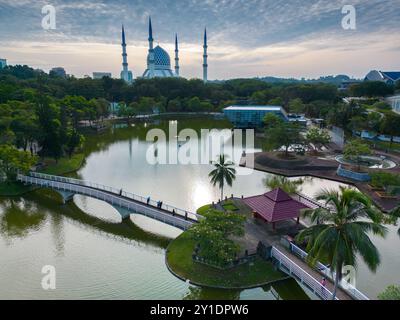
column 100, row 75
column 3, row 63
column 394, row 101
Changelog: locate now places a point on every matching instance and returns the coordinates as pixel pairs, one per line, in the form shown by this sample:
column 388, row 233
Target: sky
column 247, row 38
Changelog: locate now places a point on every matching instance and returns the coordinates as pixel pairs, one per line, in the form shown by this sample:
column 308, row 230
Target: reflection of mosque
column 158, row 59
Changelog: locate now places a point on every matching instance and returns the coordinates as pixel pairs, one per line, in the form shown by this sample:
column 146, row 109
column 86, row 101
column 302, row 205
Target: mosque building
column 158, row 59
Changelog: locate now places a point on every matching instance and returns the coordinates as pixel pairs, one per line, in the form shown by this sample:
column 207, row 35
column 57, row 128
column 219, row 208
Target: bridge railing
column 312, row 203
column 116, row 200
column 301, row 275
column 130, row 195
column 351, row 290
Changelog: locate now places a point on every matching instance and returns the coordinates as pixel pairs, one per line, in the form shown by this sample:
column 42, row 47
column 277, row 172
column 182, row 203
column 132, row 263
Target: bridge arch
column 125, row 203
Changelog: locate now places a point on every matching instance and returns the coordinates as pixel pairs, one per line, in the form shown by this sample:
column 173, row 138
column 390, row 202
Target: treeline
column 47, row 126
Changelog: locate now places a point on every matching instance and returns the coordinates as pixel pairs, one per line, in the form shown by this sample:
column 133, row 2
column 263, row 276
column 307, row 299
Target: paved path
column 341, row 294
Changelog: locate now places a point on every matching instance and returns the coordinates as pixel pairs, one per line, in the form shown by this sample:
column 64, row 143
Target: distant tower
column 205, row 56
column 176, row 56
column 125, row 73
column 151, row 61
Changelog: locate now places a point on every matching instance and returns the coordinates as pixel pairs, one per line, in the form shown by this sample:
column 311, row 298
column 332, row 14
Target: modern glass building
column 395, row 103
column 252, row 116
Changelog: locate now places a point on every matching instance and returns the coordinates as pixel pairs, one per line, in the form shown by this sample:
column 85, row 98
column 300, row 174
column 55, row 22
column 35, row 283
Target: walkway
column 124, row 202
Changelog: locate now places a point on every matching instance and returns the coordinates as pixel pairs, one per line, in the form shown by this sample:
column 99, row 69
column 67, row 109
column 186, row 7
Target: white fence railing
column 107, row 195
column 135, row 197
column 301, row 275
column 312, row 203
column 351, row 290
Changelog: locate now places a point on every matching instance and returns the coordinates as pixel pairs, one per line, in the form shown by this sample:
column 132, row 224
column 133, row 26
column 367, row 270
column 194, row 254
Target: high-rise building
column 101, row 75
column 3, row 63
column 58, row 72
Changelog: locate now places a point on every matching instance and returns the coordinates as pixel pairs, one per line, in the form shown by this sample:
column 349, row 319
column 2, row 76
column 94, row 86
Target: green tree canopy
column 391, row 293
column 390, row 125
column 317, row 138
column 214, row 232
column 355, row 149
column 12, row 160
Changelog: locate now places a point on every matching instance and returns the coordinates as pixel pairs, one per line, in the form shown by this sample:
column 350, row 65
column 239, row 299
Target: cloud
column 246, row 38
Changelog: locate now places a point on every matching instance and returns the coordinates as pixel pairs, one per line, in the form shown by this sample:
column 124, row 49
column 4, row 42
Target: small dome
column 161, row 58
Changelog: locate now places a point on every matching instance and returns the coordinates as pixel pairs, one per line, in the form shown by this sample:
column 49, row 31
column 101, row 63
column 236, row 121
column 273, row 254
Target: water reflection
column 99, row 257
column 19, row 218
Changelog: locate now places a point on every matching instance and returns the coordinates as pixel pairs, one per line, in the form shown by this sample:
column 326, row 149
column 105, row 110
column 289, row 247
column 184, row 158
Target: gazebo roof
column 275, row 205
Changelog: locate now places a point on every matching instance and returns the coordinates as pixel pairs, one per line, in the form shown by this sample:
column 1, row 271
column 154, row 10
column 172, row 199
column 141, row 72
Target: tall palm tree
column 342, row 232
column 223, row 172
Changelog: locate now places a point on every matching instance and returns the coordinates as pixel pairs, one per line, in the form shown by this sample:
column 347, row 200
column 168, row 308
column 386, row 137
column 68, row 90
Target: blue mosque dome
column 161, row 58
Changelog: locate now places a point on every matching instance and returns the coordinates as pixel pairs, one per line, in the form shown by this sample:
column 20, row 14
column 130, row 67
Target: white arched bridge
column 125, row 203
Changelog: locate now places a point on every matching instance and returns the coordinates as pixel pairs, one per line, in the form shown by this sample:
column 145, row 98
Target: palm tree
column 342, row 232
column 287, row 185
column 223, row 172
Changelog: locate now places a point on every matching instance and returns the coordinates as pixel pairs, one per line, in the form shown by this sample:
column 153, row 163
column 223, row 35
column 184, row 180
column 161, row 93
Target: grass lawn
column 179, row 259
column 202, row 210
column 229, row 206
column 13, row 189
column 64, row 165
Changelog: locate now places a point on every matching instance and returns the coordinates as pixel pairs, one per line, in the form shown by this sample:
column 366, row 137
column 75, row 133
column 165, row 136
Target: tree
column 128, row 112
column 74, row 140
column 284, row 134
column 391, row 126
column 213, row 233
column 296, row 106
column 49, row 137
column 382, row 106
column 12, row 160
column 340, row 234
column 371, row 89
column 391, row 293
column 374, row 120
column 287, row 185
column 317, row 138
column 354, row 150
column 223, row 172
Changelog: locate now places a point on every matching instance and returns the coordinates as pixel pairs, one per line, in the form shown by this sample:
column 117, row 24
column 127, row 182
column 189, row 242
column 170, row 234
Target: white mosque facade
column 158, row 60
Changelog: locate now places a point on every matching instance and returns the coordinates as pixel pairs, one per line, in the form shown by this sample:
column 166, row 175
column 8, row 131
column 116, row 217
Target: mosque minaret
column 205, row 56
column 176, row 56
column 125, row 73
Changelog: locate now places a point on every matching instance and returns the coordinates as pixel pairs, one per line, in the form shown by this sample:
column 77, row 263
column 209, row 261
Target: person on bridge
column 148, row 200
column 120, row 192
column 323, row 287
column 160, row 204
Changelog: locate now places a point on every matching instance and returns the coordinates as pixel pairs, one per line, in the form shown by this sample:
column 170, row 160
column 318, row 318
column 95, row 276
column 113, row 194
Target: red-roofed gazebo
column 275, row 206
